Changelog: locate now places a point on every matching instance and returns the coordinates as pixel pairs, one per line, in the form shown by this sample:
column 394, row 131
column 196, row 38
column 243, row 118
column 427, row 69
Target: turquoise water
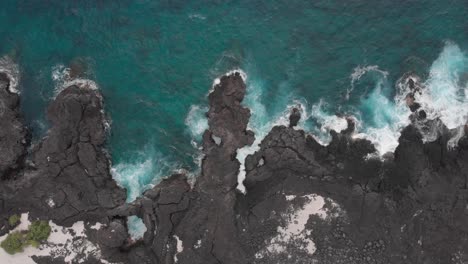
column 155, row 62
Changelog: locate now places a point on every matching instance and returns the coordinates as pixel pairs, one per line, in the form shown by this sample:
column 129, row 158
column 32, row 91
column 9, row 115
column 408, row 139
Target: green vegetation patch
column 38, row 232
column 13, row 220
column 14, row 243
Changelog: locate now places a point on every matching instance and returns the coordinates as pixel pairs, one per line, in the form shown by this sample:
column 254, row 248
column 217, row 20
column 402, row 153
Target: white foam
column 442, row 97
column 360, row 71
column 327, row 122
column 385, row 117
column 217, row 80
column 62, row 80
column 11, row 69
column 136, row 227
column 197, row 122
column 261, row 122
column 445, row 96
column 132, row 175
column 197, row 16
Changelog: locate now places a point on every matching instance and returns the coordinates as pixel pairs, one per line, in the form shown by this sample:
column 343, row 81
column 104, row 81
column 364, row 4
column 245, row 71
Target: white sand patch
column 96, row 226
column 179, row 247
column 294, row 233
column 61, row 243
column 24, row 223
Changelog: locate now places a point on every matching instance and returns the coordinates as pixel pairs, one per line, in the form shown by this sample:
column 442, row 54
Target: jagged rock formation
column 407, row 208
column 67, row 177
column 305, row 203
column 205, row 215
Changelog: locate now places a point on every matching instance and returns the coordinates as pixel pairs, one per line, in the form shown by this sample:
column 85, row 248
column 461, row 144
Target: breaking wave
column 380, row 109
column 136, row 227
column 62, row 78
column 140, row 173
column 11, row 69
column 197, row 123
column 445, row 95
column 381, row 118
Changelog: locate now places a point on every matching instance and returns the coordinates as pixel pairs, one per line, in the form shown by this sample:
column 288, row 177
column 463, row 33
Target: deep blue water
column 155, row 62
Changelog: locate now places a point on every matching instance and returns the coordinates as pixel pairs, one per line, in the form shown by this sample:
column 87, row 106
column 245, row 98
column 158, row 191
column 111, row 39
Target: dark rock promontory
column 67, row 177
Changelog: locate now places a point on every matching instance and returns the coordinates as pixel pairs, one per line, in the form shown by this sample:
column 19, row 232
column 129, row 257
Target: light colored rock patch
column 198, row 244
column 216, row 139
column 179, row 248
column 50, row 202
column 96, row 226
column 294, row 233
column 61, row 243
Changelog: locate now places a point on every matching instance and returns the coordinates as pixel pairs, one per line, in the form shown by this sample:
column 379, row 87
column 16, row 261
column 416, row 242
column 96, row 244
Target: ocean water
column 155, row 62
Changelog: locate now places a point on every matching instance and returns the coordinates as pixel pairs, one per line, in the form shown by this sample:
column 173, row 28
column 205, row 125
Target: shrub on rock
column 38, row 231
column 13, row 220
column 13, row 243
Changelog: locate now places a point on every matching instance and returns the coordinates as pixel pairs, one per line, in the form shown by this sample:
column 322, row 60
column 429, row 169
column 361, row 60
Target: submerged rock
column 294, row 117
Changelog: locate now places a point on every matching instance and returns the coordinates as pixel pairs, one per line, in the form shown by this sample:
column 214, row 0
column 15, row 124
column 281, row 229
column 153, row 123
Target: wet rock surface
column 304, row 202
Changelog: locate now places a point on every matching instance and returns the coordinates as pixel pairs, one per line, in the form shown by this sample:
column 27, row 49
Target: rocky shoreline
column 304, row 202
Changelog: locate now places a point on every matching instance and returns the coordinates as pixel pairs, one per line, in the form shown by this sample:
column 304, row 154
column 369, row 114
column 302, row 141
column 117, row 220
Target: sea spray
column 62, row 78
column 383, row 118
column 197, row 123
column 445, row 97
column 141, row 172
column 325, row 122
column 258, row 123
column 136, row 227
column 360, row 71
column 11, row 69
column 379, row 119
column 262, row 121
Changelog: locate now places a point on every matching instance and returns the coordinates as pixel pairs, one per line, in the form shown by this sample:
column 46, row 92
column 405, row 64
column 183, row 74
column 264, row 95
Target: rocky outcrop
column 13, row 134
column 305, row 203
column 198, row 225
column 404, row 208
column 68, row 176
